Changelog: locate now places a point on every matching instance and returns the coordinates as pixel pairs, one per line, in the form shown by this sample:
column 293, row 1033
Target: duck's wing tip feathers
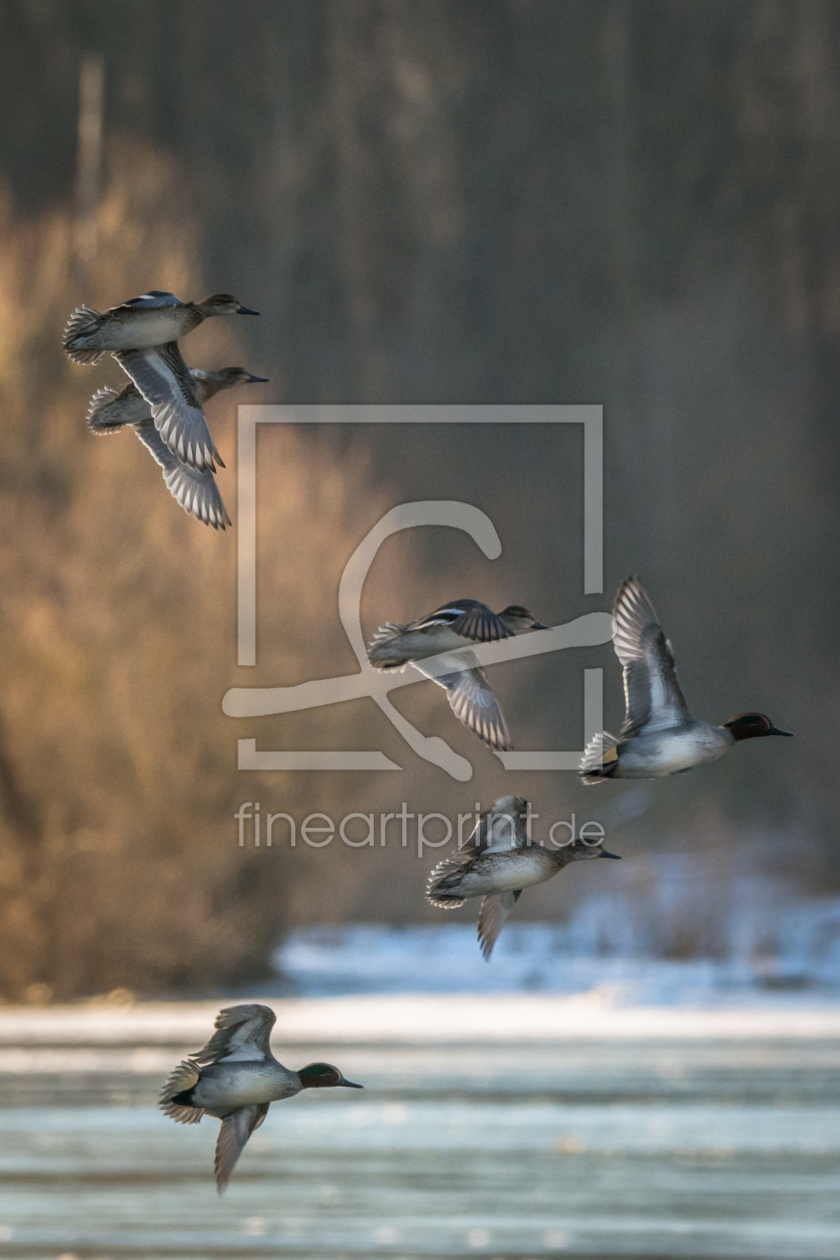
column 246, row 1027
column 652, row 694
column 474, row 703
column 233, row 1136
column 163, row 379
column 196, row 492
column 632, row 614
column 492, row 917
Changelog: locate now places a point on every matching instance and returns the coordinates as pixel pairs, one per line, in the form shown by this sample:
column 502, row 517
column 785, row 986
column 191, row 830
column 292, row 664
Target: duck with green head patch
column 235, row 1078
column 659, row 736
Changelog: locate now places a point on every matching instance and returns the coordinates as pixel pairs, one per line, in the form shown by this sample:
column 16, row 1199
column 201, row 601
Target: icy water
column 622, row 1134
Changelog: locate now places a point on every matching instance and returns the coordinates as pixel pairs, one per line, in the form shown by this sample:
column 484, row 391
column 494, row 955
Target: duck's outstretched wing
column 478, row 839
column 507, row 824
column 154, row 300
column 499, row 828
column 242, row 1032
column 163, row 378
column 492, row 917
column 474, row 703
column 233, row 1135
column 652, row 694
column 183, row 1078
column 472, row 699
column 195, row 491
column 469, row 618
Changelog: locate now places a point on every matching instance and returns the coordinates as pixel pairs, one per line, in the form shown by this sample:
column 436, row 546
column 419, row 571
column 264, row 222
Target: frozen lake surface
column 495, row 1126
column 769, row 942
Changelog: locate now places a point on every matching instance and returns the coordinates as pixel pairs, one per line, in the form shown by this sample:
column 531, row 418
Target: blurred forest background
column 632, row 202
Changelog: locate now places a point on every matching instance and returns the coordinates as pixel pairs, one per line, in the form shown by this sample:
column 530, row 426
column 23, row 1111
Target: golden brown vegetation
column 117, row 863
column 627, row 203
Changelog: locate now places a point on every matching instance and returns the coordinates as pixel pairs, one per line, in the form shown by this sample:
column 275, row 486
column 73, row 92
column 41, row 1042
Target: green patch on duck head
column 323, row 1076
column 752, row 726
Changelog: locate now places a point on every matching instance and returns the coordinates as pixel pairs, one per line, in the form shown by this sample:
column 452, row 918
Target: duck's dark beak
column 774, row 730
column 255, row 380
column 350, row 1084
column 538, row 625
column 243, row 310
column 617, row 856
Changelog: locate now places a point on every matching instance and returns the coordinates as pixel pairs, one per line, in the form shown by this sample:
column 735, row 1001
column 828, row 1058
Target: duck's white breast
column 507, row 872
column 668, row 752
column 143, row 329
column 237, row 1084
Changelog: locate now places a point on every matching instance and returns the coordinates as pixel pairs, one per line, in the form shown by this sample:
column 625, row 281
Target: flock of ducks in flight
column 235, row 1077
column 164, row 400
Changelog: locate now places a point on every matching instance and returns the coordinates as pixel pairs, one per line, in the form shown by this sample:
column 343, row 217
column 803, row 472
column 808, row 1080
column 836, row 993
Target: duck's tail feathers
column 98, row 405
column 442, row 889
column 600, row 759
column 383, row 652
column 445, row 903
column 180, row 1082
column 79, row 326
column 181, row 1114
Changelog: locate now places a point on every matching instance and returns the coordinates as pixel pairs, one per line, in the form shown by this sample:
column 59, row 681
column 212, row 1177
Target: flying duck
column 235, row 1078
column 142, row 336
column 452, row 629
column 659, row 735
column 497, row 862
column 153, row 319
column 195, row 491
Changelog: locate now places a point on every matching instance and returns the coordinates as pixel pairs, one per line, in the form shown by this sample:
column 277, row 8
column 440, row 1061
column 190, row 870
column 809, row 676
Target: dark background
column 616, row 201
